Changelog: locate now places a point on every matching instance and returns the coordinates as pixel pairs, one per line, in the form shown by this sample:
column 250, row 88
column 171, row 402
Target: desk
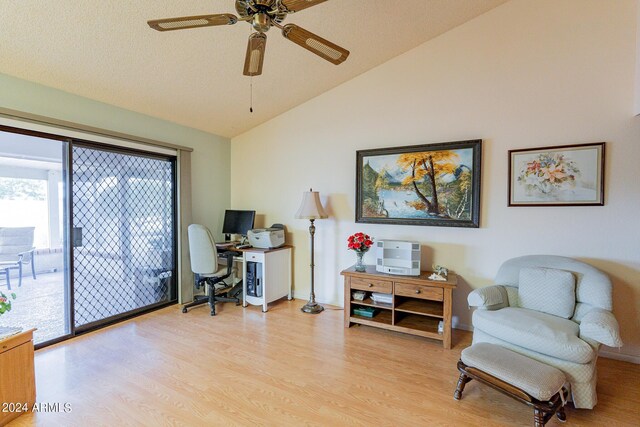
column 274, row 271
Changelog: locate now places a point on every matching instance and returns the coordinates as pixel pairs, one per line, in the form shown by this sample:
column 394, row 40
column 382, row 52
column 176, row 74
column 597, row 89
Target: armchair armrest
column 488, row 298
column 26, row 255
column 601, row 326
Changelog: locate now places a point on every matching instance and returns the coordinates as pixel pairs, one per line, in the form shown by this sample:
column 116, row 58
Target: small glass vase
column 359, row 261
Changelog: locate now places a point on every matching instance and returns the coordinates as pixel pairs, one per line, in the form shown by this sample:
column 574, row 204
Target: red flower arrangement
column 359, row 242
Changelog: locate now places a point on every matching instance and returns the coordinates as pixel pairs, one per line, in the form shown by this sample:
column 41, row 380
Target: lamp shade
column 311, row 208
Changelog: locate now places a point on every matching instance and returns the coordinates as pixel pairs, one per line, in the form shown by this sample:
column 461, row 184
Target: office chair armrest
column 229, row 256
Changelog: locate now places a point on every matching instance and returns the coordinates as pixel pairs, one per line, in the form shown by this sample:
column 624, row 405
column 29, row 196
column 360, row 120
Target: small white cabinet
column 272, row 268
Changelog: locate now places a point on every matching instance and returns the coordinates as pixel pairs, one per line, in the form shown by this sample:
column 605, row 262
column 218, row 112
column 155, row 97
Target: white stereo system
column 398, row 257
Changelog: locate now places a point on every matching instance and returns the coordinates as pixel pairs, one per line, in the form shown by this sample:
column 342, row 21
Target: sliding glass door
column 87, row 233
column 34, row 262
column 123, row 233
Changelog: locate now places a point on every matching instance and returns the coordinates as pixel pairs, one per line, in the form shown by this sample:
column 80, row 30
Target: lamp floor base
column 312, row 307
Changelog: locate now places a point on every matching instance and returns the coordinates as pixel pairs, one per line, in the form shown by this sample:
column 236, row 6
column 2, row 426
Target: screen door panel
column 123, row 233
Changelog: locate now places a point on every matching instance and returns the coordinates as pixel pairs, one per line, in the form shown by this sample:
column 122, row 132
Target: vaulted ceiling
column 105, row 51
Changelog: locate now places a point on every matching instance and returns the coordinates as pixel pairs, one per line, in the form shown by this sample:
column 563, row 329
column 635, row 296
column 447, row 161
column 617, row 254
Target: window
column 23, row 203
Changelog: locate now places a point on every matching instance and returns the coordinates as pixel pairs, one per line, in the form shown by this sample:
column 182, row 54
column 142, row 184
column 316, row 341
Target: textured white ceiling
column 105, row 51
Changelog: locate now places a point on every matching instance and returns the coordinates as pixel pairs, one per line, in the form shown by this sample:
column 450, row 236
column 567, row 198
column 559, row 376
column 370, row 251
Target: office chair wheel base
column 184, row 310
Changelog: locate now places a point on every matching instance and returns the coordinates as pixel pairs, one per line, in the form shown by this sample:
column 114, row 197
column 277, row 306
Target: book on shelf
column 365, row 311
column 382, row 298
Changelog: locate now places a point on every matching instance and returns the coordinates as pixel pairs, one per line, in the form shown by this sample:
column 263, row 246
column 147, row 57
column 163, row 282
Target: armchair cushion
column 600, row 325
column 490, row 297
column 547, row 290
column 535, row 331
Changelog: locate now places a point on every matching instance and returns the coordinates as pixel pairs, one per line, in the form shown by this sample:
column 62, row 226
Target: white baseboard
column 463, row 327
column 619, row 356
column 299, row 295
column 304, row 296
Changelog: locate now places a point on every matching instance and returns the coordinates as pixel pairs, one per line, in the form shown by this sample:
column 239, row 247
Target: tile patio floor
column 39, row 304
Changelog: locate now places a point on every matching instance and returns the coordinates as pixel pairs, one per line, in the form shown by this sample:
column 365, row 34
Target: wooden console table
column 418, row 304
column 17, row 379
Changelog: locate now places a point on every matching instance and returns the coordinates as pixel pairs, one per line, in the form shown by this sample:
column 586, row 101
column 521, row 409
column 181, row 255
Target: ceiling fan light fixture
column 261, row 22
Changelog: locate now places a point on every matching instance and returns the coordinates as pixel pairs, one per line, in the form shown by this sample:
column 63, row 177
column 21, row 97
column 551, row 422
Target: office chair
column 204, row 264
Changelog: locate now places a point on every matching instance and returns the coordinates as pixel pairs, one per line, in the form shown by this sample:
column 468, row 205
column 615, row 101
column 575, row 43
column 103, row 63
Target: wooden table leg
column 462, row 381
column 347, row 302
column 446, row 332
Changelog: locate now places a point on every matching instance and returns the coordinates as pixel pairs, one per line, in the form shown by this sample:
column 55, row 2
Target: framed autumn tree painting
column 430, row 184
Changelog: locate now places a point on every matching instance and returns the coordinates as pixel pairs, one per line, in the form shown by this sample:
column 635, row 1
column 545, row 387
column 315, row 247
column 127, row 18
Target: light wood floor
column 245, row 367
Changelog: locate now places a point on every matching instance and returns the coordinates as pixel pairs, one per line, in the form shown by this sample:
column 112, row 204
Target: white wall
column 210, row 158
column 526, row 74
column 637, row 103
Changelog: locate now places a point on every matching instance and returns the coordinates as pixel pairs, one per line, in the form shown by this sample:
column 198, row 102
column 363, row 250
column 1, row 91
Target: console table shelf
column 420, row 325
column 419, row 304
column 383, row 318
column 426, row 308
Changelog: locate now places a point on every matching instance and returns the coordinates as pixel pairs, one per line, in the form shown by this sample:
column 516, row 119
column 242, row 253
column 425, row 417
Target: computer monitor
column 237, row 222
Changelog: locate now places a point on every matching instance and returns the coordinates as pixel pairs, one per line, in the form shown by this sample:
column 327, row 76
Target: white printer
column 267, row 238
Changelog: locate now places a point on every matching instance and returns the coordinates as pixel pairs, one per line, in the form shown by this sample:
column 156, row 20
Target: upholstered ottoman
column 527, row 380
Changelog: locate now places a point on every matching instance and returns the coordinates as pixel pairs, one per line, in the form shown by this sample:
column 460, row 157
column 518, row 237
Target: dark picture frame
column 396, row 185
column 560, row 175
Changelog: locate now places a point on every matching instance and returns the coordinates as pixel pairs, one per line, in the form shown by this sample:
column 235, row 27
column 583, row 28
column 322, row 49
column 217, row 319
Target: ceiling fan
column 262, row 15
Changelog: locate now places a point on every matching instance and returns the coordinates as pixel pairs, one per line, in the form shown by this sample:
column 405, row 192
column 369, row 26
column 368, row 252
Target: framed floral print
column 566, row 175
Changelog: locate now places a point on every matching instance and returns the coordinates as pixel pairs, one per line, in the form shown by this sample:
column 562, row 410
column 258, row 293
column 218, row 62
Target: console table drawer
column 372, row 285
column 419, row 291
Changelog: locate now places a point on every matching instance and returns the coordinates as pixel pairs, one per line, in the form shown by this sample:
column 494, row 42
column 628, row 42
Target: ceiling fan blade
column 185, row 22
column 255, row 54
column 316, row 44
column 297, row 5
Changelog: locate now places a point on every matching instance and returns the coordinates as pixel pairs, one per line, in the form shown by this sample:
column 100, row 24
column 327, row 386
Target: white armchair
column 553, row 309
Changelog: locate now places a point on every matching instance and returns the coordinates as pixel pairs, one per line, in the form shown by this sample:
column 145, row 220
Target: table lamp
column 311, row 209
